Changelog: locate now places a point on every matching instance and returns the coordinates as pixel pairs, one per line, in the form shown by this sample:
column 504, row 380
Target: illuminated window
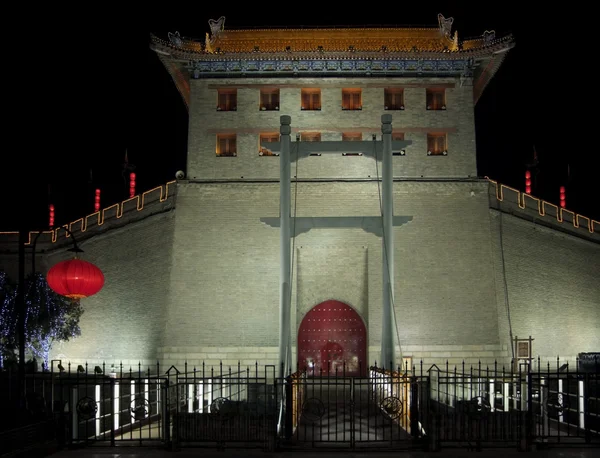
column 398, row 136
column 311, row 99
column 226, row 145
column 352, row 137
column 227, row 100
column 311, row 137
column 436, row 99
column 267, row 138
column 269, row 99
column 436, row 145
column 394, row 99
column 351, row 99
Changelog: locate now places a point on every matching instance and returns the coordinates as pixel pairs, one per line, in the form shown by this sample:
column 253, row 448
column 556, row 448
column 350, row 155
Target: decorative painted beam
column 332, row 67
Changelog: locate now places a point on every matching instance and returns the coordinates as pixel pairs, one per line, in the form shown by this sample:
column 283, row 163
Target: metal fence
column 216, row 406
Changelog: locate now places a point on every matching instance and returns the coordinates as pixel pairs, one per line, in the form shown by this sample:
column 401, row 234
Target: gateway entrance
column 332, row 340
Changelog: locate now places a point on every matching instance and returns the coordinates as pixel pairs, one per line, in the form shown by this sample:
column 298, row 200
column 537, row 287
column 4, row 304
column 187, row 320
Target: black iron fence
column 216, row 406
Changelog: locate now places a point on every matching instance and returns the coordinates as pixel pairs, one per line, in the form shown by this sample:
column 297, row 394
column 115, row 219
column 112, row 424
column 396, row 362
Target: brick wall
column 553, row 292
column 248, row 121
column 201, row 284
column 125, row 320
column 226, row 266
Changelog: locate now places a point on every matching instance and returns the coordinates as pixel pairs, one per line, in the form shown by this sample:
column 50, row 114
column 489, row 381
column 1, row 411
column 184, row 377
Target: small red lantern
column 97, row 200
column 563, row 197
column 51, row 216
column 528, row 182
column 131, row 184
column 75, row 279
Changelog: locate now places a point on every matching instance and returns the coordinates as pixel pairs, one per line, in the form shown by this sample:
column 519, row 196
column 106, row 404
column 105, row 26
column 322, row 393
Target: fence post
column 289, row 408
column 166, row 413
column 414, row 408
column 586, row 406
column 112, row 411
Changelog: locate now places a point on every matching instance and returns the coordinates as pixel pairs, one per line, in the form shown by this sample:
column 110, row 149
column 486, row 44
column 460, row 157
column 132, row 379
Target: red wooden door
column 332, row 339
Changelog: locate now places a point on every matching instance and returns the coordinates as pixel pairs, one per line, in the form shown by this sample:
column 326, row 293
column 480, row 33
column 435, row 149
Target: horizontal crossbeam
column 372, row 148
column 370, row 224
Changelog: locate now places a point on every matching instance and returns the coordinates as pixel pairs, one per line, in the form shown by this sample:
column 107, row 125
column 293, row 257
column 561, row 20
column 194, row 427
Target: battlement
column 512, row 201
column 156, row 200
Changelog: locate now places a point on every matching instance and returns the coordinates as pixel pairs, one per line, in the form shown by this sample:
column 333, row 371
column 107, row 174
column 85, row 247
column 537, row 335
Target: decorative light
column 528, row 182
column 131, row 185
column 75, row 278
column 563, row 197
column 51, row 215
column 97, row 200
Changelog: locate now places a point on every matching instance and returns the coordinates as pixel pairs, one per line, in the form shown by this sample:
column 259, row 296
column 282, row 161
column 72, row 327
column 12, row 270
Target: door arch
column 332, row 338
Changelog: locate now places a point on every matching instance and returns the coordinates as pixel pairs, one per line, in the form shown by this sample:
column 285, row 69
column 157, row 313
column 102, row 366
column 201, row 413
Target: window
column 311, row 99
column 269, row 99
column 226, row 145
column 394, row 99
column 436, row 145
column 398, row 136
column 436, row 99
column 311, row 137
column 267, row 138
column 352, row 137
column 227, row 100
column 351, row 99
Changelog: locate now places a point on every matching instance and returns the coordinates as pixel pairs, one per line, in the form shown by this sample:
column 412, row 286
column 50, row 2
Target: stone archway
column 332, row 339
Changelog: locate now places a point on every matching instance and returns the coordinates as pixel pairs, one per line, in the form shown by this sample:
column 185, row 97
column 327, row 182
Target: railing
column 391, row 391
column 216, row 406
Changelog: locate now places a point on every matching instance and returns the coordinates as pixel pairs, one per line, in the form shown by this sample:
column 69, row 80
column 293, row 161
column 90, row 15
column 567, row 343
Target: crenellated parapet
column 512, row 201
column 148, row 203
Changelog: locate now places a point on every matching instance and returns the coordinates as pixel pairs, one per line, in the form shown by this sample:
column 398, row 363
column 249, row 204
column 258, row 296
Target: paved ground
column 127, row 452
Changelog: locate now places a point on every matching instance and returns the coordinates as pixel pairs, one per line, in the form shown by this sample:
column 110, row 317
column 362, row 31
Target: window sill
column 310, row 109
column 351, row 109
column 400, row 108
column 443, row 153
column 232, row 109
column 227, row 155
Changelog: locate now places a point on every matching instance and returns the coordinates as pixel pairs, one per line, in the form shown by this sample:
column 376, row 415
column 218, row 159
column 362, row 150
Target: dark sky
column 98, row 90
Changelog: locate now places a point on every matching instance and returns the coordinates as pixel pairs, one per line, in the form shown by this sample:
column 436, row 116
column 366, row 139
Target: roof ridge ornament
column 488, row 37
column 216, row 27
column 175, row 39
column 445, row 25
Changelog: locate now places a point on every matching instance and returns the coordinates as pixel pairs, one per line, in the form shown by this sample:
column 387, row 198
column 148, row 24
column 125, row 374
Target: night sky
column 102, row 91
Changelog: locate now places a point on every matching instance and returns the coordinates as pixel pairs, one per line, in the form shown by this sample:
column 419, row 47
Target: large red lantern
column 75, row 279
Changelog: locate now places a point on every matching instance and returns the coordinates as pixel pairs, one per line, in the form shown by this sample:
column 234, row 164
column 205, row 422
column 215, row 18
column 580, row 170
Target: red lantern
column 97, row 200
column 131, row 185
column 51, row 216
column 75, row 279
column 528, row 182
column 563, row 197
